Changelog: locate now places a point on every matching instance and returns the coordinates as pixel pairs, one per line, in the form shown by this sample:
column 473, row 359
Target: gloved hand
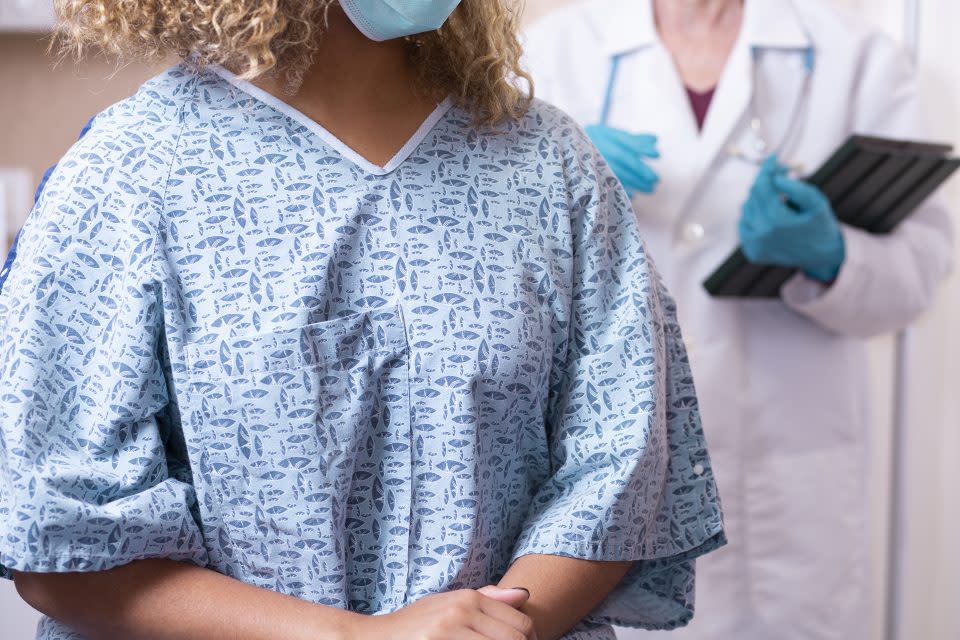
column 791, row 223
column 624, row 152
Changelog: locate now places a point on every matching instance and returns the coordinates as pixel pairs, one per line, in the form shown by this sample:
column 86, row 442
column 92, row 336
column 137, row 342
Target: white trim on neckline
column 276, row 103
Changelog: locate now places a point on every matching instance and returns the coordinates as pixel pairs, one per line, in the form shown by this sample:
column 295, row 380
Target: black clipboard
column 872, row 183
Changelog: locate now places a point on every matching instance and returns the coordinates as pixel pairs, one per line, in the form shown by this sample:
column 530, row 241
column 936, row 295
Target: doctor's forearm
column 562, row 590
column 166, row 600
column 886, row 282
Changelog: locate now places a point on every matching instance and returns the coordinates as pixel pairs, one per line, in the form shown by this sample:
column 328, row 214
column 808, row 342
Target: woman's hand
column 456, row 615
column 563, row 590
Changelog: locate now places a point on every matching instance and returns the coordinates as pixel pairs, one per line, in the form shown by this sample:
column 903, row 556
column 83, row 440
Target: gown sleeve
column 631, row 477
column 89, row 474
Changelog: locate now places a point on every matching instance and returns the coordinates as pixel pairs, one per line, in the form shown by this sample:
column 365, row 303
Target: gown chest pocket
column 295, row 425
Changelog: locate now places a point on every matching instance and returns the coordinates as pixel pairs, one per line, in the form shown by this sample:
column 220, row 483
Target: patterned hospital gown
column 228, row 339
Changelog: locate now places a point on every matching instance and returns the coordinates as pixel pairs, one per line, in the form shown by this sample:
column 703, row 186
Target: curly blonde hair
column 475, row 56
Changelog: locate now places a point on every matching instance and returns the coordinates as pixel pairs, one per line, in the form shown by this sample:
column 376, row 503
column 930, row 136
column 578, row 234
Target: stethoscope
column 759, row 147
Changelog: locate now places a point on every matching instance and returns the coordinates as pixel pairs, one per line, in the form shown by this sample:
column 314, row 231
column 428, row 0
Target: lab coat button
column 692, row 232
column 698, row 469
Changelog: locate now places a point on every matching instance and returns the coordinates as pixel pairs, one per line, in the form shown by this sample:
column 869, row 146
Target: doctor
column 724, row 84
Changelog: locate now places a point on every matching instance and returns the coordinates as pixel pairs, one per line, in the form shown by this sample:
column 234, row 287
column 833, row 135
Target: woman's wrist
column 330, row 623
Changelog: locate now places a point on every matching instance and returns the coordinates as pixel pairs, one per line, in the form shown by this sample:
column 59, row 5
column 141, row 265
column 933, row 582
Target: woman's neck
column 364, row 92
column 697, row 16
column 349, row 68
column 699, row 34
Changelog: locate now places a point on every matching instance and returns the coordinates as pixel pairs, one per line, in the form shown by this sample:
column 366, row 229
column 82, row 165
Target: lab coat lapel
column 783, row 54
column 778, row 95
column 686, row 152
column 768, row 26
column 650, row 98
column 767, row 75
column 730, row 105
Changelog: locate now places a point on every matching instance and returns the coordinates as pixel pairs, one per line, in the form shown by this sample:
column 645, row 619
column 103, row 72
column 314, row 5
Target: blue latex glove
column 624, row 152
column 791, row 223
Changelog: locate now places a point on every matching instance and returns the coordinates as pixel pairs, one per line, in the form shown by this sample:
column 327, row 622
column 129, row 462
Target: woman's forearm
column 562, row 590
column 166, row 600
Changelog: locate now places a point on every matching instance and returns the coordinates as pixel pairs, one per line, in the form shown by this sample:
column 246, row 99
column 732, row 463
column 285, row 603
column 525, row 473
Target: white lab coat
column 782, row 384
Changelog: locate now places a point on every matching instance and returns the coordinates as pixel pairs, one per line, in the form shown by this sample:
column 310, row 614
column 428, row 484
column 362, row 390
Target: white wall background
column 931, row 551
column 930, row 556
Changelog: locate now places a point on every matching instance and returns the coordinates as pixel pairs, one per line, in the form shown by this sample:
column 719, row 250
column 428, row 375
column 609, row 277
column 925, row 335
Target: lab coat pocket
column 292, row 422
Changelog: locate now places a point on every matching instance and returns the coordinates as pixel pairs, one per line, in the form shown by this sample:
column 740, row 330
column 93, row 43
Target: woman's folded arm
column 163, row 599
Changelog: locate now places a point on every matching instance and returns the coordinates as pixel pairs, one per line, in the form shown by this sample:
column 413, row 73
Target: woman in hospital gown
column 230, row 340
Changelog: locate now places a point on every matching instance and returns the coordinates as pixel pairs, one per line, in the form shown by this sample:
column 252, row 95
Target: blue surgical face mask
column 388, row 19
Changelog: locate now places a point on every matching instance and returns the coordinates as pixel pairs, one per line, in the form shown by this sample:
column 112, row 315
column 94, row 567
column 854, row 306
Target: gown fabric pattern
column 227, row 339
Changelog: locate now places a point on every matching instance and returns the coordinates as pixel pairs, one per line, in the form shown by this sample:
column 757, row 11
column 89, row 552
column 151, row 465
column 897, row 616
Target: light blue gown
column 227, row 339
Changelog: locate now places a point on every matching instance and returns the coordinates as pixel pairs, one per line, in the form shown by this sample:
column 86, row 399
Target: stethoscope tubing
column 762, row 143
